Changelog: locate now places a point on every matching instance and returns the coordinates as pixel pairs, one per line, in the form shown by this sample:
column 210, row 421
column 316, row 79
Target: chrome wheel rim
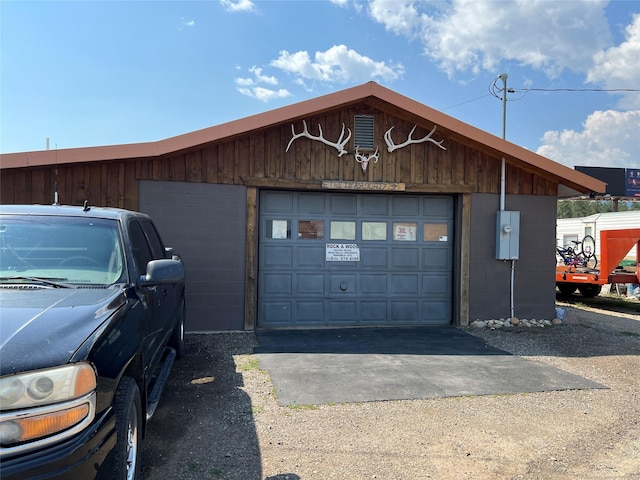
column 132, row 444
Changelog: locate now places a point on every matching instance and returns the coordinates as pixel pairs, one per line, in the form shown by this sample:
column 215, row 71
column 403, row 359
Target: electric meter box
column 507, row 235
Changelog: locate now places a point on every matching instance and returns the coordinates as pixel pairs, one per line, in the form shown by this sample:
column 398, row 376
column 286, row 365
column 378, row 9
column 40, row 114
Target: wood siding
column 259, row 159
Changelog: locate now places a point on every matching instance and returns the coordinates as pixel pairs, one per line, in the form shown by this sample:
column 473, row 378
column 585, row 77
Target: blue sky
column 86, row 73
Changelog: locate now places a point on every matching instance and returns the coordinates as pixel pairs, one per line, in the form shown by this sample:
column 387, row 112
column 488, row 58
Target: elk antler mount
column 339, row 145
column 392, row 146
column 362, row 158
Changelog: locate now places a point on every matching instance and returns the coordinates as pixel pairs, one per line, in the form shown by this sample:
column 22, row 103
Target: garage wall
column 206, row 226
column 489, row 279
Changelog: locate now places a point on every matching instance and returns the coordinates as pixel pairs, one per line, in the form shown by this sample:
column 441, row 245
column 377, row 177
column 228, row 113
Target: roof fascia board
column 77, row 155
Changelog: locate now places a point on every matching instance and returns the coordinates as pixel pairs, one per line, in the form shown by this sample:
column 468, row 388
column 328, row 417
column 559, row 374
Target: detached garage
column 361, row 207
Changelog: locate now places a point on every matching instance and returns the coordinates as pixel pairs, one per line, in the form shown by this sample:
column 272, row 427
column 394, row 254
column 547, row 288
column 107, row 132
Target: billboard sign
column 632, row 182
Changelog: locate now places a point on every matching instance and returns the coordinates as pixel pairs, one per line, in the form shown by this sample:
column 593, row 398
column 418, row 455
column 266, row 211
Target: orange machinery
column 614, row 246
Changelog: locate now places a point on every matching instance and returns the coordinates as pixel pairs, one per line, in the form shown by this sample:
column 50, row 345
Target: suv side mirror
column 162, row 272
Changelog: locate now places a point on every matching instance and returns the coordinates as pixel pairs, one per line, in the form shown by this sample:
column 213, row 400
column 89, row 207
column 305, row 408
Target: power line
column 577, row 90
column 495, row 91
column 463, row 103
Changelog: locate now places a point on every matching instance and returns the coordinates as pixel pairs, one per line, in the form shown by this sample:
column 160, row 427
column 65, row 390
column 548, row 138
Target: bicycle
column 584, row 258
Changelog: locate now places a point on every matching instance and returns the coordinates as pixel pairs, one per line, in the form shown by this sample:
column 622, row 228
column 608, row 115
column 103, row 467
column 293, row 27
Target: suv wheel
column 128, row 430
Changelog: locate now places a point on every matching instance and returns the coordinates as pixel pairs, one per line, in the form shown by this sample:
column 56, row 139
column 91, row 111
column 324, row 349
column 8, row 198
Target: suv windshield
column 71, row 250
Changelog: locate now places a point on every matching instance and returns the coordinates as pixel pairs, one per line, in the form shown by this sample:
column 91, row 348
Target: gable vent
column 363, row 132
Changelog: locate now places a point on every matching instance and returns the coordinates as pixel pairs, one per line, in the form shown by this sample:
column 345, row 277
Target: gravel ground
column 219, row 418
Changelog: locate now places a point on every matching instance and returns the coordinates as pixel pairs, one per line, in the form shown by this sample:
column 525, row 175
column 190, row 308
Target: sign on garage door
column 330, row 259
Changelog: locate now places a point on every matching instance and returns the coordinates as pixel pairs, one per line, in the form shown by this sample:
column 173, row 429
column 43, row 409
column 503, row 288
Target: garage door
column 328, row 259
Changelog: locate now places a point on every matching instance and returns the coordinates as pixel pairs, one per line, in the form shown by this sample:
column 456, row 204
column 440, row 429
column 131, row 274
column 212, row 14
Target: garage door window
column 311, row 229
column 435, row 232
column 343, row 230
column 374, row 231
column 278, row 229
column 405, row 232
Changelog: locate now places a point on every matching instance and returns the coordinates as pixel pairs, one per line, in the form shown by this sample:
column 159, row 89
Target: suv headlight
column 46, row 386
column 50, row 403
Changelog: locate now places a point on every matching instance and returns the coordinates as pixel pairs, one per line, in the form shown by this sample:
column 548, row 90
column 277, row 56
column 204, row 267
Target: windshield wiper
column 50, row 281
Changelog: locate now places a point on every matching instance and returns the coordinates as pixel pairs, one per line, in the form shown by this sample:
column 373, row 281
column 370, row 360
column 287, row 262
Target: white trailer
column 574, row 229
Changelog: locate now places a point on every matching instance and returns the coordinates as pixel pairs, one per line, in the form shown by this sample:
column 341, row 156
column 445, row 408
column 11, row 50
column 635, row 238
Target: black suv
column 92, row 314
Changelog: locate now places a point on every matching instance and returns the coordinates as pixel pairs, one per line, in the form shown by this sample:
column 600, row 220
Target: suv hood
column 42, row 328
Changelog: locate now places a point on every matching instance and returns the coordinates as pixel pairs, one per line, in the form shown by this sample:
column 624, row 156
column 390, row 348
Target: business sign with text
column 342, row 252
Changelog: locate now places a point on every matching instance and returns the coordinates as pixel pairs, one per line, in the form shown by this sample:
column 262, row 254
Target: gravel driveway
column 219, row 418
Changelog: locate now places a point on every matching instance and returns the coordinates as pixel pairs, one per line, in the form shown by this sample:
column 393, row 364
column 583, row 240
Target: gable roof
column 368, row 92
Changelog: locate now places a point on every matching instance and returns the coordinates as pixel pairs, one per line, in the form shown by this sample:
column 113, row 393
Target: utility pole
column 503, row 169
column 503, row 77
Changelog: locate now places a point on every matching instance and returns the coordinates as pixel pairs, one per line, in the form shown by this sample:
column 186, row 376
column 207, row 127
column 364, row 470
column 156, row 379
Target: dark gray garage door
column 354, row 259
column 206, row 225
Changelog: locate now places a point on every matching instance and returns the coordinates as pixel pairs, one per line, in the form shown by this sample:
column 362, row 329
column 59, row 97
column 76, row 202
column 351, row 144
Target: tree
column 582, row 208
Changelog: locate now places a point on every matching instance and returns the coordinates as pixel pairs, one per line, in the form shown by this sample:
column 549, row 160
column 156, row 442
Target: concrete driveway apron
column 313, row 367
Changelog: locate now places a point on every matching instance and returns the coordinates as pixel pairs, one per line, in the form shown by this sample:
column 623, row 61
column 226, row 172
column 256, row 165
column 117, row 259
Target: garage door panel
column 342, row 312
column 277, row 284
column 436, row 313
column 276, row 313
column 404, row 312
column 374, row 257
column 375, row 205
column 310, row 312
column 311, row 203
column 310, row 257
column 434, row 258
column 374, row 284
column 404, row 284
column 343, row 204
column 403, row 258
column 277, row 256
column 373, row 312
column 437, row 206
column 277, row 202
column 435, row 284
column 309, row 284
column 405, row 206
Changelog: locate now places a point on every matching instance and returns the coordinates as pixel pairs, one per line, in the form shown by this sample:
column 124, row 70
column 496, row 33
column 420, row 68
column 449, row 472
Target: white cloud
column 238, row 5
column 609, row 139
column 257, row 71
column 264, row 94
column 245, row 82
column 398, row 16
column 475, row 35
column 337, row 64
column 619, row 67
column 249, row 86
column 184, row 23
